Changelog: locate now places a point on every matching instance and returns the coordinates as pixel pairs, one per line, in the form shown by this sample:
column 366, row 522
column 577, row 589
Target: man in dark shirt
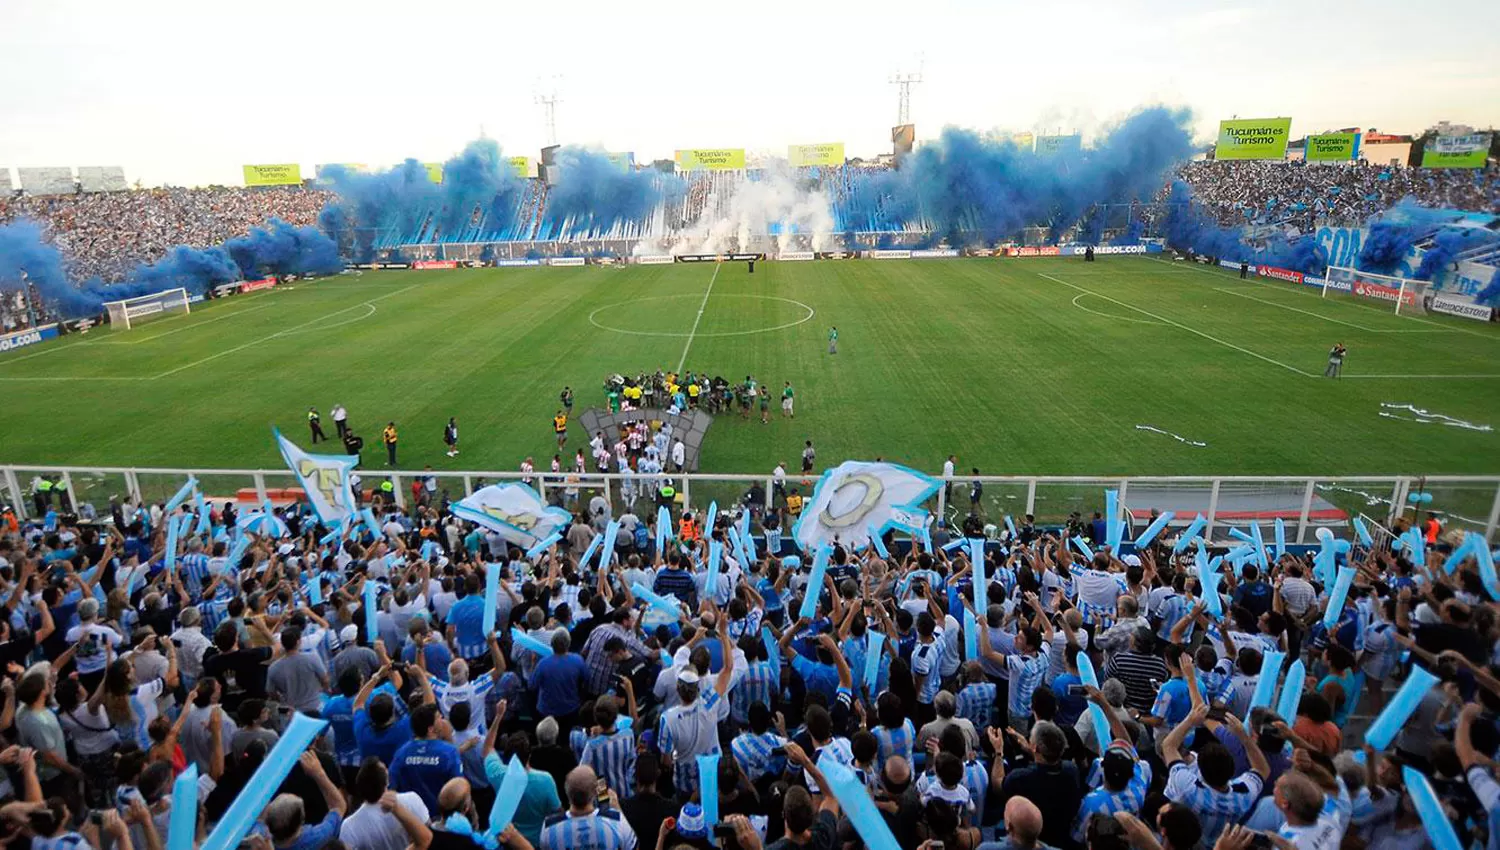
column 241, row 672
column 677, row 581
column 647, row 809
column 1055, row 787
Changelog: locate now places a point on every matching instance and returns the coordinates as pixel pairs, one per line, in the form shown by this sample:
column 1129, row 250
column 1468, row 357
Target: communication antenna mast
column 903, row 84
column 548, row 100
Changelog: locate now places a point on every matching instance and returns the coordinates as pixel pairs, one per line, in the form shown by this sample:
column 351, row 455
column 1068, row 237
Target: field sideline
column 1031, row 366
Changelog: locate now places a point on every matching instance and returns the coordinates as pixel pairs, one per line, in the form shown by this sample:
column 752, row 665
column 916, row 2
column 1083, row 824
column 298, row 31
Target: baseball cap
column 688, row 676
column 1132, row 560
column 348, row 634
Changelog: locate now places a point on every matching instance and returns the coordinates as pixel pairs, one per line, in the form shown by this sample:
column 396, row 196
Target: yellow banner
column 623, row 161
column 823, row 153
column 1253, row 138
column 289, row 174
column 521, row 166
column 711, row 159
column 434, row 171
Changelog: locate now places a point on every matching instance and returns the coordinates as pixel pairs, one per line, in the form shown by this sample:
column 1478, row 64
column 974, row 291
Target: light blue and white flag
column 323, row 478
column 856, row 499
column 514, row 511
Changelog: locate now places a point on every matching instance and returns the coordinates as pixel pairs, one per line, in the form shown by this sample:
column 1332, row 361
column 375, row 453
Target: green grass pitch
column 1026, row 366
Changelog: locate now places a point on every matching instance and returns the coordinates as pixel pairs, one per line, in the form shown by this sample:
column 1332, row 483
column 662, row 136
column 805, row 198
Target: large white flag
column 515, row 511
column 857, row 499
column 325, row 480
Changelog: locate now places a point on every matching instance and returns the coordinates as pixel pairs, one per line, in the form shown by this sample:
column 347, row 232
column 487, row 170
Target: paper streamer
column 645, row 594
column 508, row 797
column 182, row 827
column 815, row 583
column 878, row 543
column 205, row 516
column 1291, row 691
column 1082, row 547
column 1154, row 529
column 1112, row 526
column 1210, row 583
column 372, row 595
column 611, row 531
column 263, row 784
column 543, row 545
column 1265, row 686
column 773, row 652
column 589, row 551
column 1088, row 676
column 491, row 596
column 170, row 559
column 181, row 496
column 708, row 789
column 663, row 527
column 981, row 581
column 858, row 807
column 1365, row 539
column 1193, row 530
column 1396, row 712
column 1260, row 545
column 1337, row 596
column 1281, row 537
column 715, row 563
column 872, row 662
column 1178, row 437
column 1430, row 809
column 971, row 637
column 1427, row 417
column 525, row 641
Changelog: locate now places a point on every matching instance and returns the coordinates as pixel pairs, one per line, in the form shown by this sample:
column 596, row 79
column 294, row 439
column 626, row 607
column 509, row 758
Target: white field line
column 1108, row 316
column 140, row 340
column 701, row 307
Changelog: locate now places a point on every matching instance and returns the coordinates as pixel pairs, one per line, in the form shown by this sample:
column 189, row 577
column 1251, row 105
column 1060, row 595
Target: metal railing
column 1305, row 503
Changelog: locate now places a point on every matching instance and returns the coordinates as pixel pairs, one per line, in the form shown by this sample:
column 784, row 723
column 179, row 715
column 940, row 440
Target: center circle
column 594, row 320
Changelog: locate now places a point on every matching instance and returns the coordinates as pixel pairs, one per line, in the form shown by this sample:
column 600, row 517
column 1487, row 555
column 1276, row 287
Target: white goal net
column 1407, row 295
column 130, row 312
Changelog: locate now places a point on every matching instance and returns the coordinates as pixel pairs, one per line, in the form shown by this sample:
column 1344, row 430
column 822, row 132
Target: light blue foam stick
column 1010, row 525
column 205, row 516
column 745, row 526
column 1486, row 567
column 241, row 815
column 237, row 551
column 1088, row 676
column 1260, row 546
column 1337, row 596
column 708, row 789
column 971, row 637
column 589, row 550
column 953, row 545
column 878, row 543
column 663, row 528
column 1209, row 581
column 1083, row 548
column 1242, row 536
column 491, row 597
column 315, row 587
column 744, row 545
column 611, row 531
column 525, row 641
column 1194, row 529
column 372, row 598
column 183, row 824
column 645, row 594
column 1460, row 552
column 1394, row 715
column 1281, row 537
column 543, row 545
column 1417, row 546
column 715, row 563
column 1154, row 529
column 369, row 519
column 859, row 808
column 336, row 533
column 1265, row 686
column 872, row 662
column 1291, row 690
column 773, row 653
column 508, row 797
column 713, row 516
column 981, row 581
column 1365, row 539
column 1113, row 529
column 815, row 583
column 1430, row 810
column 926, row 535
column 182, row 495
column 169, row 560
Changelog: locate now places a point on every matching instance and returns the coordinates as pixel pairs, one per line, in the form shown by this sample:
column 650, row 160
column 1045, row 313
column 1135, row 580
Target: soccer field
column 1028, row 366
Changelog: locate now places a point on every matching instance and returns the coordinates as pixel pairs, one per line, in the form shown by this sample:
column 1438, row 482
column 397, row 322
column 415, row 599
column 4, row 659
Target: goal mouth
column 128, row 312
column 1404, row 292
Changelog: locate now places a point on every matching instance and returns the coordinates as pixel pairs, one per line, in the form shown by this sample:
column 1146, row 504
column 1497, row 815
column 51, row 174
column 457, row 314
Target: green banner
column 1456, row 151
column 289, row 174
column 1253, row 138
column 434, row 171
column 1332, row 147
column 710, row 159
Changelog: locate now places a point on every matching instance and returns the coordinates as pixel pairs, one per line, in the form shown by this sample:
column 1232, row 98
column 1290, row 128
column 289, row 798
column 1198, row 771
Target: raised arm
column 1171, row 747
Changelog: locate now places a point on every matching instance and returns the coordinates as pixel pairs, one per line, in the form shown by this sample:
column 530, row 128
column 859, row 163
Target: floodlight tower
column 548, row 100
column 903, row 84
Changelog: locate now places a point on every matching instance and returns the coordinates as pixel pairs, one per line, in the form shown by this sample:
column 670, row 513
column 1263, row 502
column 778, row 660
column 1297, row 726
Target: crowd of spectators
column 135, row 652
column 106, row 234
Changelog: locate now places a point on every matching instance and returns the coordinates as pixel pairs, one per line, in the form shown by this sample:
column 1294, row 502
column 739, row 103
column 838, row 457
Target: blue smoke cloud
column 592, row 195
column 1392, row 234
column 22, row 250
column 1491, row 293
column 1190, row 228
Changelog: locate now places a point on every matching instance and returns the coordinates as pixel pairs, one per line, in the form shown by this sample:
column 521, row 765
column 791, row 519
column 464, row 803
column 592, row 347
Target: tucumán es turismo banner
column 1253, row 138
column 710, row 159
column 288, row 174
column 1332, row 147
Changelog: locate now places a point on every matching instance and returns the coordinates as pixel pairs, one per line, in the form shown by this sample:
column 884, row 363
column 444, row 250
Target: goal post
column 128, row 312
column 1406, row 293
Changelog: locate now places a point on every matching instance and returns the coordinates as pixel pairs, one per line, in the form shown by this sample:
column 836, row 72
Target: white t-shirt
column 90, row 656
column 372, row 828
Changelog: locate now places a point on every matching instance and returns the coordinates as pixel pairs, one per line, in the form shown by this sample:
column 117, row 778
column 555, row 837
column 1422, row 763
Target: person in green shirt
column 786, row 401
column 833, row 340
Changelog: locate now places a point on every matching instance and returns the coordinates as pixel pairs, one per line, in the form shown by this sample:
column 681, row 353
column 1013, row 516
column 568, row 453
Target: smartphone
column 96, row 817
column 778, row 752
column 723, row 830
column 601, row 789
column 1261, row 841
column 1155, row 684
column 1077, row 691
column 1217, row 713
column 934, row 845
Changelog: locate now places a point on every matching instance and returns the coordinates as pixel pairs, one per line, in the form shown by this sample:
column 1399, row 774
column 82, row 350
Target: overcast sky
column 186, row 91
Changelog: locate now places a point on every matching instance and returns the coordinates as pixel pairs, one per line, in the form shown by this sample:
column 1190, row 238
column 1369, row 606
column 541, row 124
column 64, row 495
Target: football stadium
column 973, row 483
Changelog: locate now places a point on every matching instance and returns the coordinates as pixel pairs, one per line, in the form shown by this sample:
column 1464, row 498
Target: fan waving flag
column 514, row 511
column 856, row 499
column 325, row 480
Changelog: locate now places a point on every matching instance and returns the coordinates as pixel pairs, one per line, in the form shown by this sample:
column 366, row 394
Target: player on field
column 450, row 435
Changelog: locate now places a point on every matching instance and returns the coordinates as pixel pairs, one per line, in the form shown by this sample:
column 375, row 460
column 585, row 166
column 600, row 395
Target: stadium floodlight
column 128, row 312
column 1403, row 291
